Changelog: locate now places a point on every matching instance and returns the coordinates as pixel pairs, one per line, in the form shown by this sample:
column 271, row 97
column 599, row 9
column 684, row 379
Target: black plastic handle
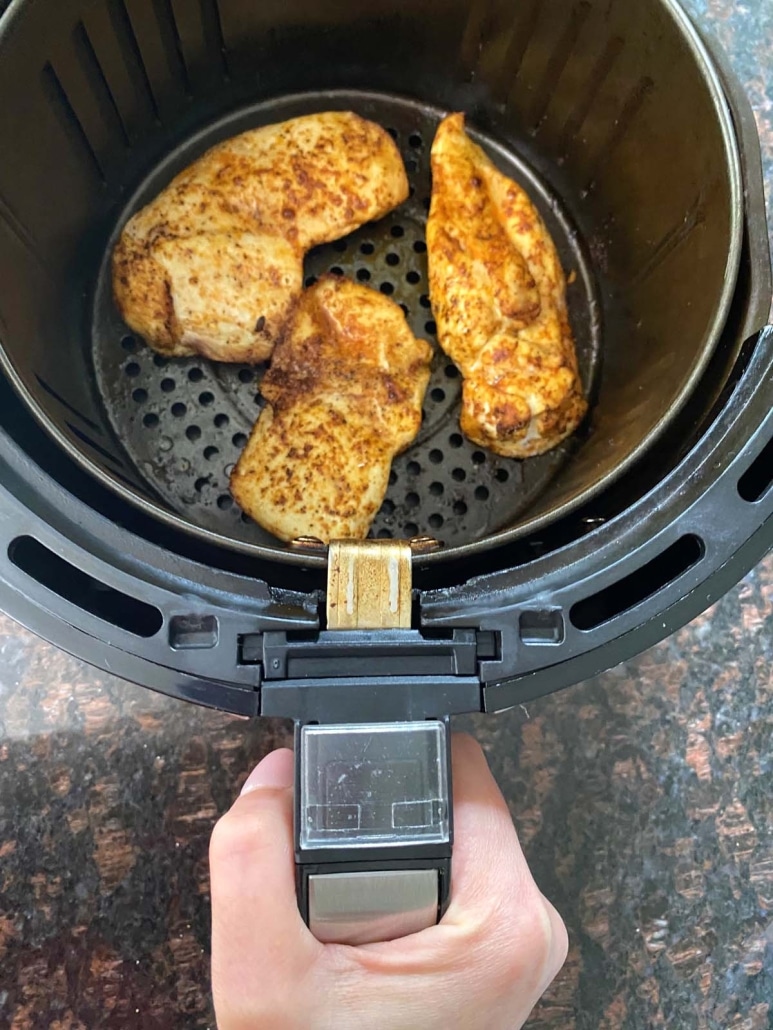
column 373, row 828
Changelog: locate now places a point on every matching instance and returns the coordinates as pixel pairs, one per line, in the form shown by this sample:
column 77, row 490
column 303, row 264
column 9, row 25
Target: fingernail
column 276, row 770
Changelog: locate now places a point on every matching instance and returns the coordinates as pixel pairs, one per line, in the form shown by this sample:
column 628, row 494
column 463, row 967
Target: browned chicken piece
column 344, row 391
column 214, row 265
column 499, row 298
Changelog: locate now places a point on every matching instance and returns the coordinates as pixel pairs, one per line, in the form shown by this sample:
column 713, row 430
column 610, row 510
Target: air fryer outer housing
column 600, row 574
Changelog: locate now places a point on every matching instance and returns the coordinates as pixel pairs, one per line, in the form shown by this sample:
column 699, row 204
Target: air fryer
column 119, row 540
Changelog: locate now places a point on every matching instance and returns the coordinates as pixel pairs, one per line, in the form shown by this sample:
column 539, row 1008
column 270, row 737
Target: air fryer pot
column 118, row 538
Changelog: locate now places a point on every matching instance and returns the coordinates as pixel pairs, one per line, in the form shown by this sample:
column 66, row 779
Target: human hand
column 483, row 967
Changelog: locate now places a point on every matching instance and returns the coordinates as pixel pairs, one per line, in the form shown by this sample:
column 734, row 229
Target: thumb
column 257, row 930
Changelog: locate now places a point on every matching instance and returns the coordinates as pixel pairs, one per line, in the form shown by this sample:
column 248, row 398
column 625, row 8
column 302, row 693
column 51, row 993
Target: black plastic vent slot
column 82, row 590
column 756, row 481
column 647, row 581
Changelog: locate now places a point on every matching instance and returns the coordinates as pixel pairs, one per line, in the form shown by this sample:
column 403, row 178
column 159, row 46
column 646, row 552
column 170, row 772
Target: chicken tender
column 498, row 293
column 214, row 265
column 344, row 392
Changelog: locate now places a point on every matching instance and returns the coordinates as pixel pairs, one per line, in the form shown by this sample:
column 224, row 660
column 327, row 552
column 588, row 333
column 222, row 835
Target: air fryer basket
column 606, row 111
column 118, row 540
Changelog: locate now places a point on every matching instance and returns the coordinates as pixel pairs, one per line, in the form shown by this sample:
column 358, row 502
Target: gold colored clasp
column 369, row 584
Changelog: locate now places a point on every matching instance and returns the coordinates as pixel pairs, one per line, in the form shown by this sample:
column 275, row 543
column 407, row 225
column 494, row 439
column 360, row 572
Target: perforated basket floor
column 184, row 422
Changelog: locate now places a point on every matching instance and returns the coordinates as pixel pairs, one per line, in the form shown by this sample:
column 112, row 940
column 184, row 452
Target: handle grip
column 373, row 828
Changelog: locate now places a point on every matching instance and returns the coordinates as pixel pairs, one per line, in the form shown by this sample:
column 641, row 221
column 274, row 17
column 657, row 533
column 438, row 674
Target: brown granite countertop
column 644, row 799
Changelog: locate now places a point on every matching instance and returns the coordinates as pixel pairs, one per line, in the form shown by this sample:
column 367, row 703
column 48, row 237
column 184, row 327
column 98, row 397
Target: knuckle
column 523, row 946
column 560, row 949
column 230, row 836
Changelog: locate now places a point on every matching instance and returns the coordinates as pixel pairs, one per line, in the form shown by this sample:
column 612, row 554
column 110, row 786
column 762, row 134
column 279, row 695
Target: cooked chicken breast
column 344, row 392
column 214, row 265
column 498, row 293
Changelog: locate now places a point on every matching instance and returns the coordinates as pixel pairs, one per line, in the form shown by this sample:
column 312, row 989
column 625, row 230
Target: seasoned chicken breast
column 498, row 294
column 214, row 265
column 345, row 392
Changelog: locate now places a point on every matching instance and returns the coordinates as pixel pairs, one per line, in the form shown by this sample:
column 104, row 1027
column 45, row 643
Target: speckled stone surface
column 644, row 799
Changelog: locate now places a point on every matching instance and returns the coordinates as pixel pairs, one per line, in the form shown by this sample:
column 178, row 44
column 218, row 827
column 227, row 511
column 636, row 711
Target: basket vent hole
column 206, row 398
column 756, row 481
column 438, row 395
column 420, row 247
column 392, row 259
column 632, row 590
column 133, row 370
column 160, row 361
column 431, row 327
column 436, row 521
column 392, row 477
column 387, row 289
column 336, row 270
column 478, row 458
column 239, row 440
column 211, row 452
column 459, row 475
column 221, row 421
column 413, row 278
column 460, row 508
column 168, row 385
column 437, row 489
column 140, row 396
column 412, row 500
column 151, row 420
column 482, row 493
column 397, row 232
column 415, row 141
column 388, row 507
column 424, row 300
column 225, row 502
column 246, row 375
column 129, row 344
column 414, row 468
column 456, row 440
column 179, row 410
column 412, row 165
column 363, row 275
column 411, row 529
column 436, row 457
column 366, row 248
column 82, row 590
column 195, row 375
column 201, row 484
column 452, row 372
column 193, row 433
column 501, row 475
column 340, row 246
